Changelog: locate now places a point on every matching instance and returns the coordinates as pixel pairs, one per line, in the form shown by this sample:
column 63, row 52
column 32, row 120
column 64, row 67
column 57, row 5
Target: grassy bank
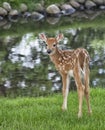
column 31, row 3
column 44, row 113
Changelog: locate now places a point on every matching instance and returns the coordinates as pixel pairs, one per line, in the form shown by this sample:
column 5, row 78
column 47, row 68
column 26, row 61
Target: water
column 25, row 68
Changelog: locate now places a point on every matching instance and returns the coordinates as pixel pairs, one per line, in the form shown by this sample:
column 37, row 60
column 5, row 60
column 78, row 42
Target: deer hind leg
column 65, row 90
column 87, row 93
column 80, row 89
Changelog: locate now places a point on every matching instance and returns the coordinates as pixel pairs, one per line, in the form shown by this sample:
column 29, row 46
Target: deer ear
column 43, row 37
column 59, row 37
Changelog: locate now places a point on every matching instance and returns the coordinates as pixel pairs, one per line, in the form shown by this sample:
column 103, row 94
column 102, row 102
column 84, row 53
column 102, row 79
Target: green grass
column 44, row 113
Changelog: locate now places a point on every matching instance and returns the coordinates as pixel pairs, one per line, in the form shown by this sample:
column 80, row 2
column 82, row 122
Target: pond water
column 25, row 67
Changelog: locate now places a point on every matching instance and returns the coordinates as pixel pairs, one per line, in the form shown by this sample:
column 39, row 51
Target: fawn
column 70, row 63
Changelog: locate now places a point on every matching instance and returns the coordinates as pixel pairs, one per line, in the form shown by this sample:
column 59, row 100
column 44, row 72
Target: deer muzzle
column 49, row 51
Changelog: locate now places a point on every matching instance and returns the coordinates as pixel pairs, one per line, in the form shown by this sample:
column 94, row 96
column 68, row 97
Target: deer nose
column 49, row 51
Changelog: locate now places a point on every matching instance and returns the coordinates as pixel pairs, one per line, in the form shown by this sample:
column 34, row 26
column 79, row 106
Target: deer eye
column 43, row 42
column 54, row 45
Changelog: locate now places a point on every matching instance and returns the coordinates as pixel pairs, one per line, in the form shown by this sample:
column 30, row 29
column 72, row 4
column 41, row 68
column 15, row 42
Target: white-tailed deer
column 70, row 63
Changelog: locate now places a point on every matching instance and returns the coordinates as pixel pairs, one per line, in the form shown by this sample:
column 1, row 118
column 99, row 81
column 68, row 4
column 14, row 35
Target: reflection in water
column 25, row 68
column 22, row 51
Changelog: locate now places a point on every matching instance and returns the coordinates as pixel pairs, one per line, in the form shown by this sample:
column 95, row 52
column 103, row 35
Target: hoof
column 79, row 115
column 64, row 108
column 90, row 112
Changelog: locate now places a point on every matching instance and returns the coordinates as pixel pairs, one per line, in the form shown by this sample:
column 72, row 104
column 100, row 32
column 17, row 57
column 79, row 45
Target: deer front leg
column 65, row 90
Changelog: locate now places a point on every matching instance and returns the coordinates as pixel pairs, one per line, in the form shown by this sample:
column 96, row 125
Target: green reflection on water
column 28, row 25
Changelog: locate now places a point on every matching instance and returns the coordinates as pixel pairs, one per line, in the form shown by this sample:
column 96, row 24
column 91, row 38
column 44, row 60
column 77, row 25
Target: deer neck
column 56, row 56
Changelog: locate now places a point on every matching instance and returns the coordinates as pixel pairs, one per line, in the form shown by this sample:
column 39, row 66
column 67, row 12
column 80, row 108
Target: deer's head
column 51, row 43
